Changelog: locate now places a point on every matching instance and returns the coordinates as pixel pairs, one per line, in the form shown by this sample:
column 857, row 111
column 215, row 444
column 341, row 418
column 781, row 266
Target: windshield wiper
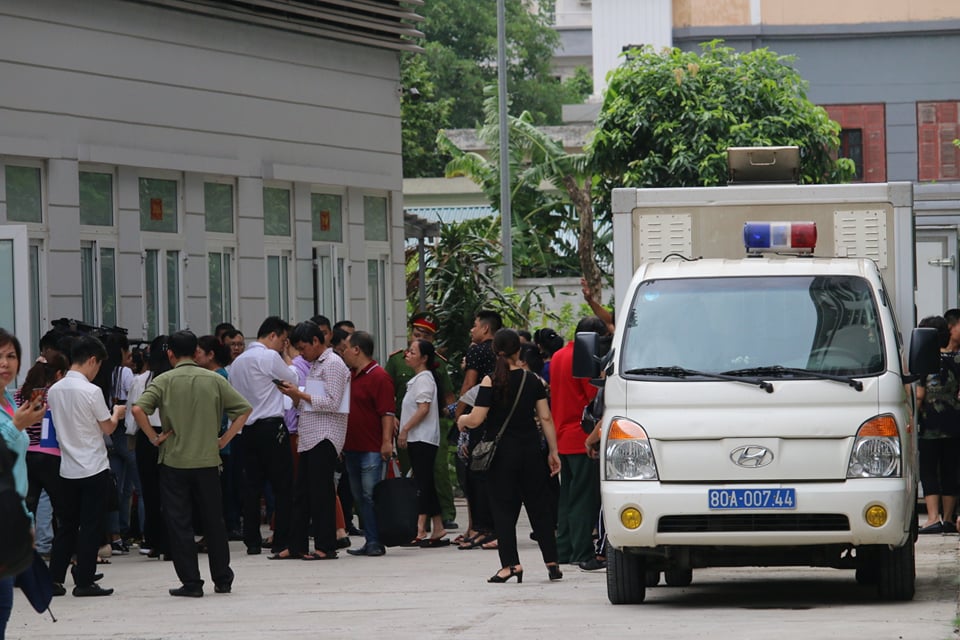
column 680, row 372
column 779, row 371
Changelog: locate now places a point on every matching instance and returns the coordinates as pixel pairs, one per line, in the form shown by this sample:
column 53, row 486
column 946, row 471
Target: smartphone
column 278, row 382
column 36, row 398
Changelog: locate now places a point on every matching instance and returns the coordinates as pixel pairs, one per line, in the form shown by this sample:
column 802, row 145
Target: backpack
column 16, row 542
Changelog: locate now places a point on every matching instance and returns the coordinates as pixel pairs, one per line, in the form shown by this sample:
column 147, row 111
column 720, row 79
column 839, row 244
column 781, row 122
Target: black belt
column 274, row 421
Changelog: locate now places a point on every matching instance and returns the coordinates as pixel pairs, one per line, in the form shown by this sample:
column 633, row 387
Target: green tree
column 554, row 229
column 668, row 118
column 460, row 59
column 579, row 86
column 422, row 115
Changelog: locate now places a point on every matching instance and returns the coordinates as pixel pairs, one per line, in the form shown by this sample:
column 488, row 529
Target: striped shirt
column 323, row 421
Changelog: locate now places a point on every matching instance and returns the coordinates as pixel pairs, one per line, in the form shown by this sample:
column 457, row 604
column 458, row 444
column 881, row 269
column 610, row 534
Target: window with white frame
column 276, row 212
column 98, row 280
column 218, row 207
column 376, row 232
column 96, row 198
column 159, row 205
column 329, row 280
column 278, row 232
column 7, row 317
column 24, row 194
column 162, row 275
column 326, row 213
column 278, row 285
column 37, row 315
column 219, row 270
column 377, row 303
column 375, row 219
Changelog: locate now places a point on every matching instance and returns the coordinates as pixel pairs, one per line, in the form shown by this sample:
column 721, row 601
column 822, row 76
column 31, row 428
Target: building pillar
column 64, row 286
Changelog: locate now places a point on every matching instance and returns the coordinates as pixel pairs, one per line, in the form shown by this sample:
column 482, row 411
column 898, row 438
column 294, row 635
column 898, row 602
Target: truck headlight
column 628, row 455
column 876, row 450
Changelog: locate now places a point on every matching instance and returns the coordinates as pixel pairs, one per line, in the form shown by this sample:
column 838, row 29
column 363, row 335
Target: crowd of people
column 199, row 441
column 938, row 436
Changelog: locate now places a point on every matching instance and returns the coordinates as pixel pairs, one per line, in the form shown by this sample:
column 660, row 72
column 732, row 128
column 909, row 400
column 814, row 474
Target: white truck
column 757, row 407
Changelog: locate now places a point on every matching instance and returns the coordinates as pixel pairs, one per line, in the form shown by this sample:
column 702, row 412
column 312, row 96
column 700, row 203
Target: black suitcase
column 395, row 505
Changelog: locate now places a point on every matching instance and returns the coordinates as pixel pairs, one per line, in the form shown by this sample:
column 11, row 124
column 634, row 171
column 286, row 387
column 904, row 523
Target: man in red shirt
column 369, row 433
column 579, row 474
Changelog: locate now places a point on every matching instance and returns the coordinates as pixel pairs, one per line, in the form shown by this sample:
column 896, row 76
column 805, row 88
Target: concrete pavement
column 442, row 593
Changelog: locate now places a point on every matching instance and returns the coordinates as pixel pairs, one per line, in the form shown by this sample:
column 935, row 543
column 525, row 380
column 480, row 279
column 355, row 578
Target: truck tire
column 679, row 577
column 897, row 573
column 625, row 578
column 868, row 565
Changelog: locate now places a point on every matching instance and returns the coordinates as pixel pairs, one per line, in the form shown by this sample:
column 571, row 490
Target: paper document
column 316, row 387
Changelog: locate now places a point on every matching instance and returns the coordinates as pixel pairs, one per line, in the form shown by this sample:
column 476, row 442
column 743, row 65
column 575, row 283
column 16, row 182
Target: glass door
column 162, row 291
column 15, row 290
column 329, row 283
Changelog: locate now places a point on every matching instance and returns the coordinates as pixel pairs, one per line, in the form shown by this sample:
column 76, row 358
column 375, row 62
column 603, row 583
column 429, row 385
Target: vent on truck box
column 663, row 234
column 763, row 164
column 861, row 234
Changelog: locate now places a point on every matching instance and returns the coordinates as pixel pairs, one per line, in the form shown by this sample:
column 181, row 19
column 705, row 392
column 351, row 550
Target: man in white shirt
column 323, row 407
column 82, row 418
column 265, row 440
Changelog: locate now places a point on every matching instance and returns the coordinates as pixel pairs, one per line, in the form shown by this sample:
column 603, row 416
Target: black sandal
column 475, row 542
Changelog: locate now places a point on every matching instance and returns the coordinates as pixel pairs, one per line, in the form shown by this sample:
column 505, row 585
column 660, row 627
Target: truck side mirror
column 585, row 361
column 924, row 352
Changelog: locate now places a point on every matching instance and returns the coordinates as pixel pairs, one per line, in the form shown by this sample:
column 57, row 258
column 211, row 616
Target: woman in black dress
column 519, row 473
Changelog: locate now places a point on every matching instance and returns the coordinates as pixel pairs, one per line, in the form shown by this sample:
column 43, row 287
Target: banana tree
column 543, row 216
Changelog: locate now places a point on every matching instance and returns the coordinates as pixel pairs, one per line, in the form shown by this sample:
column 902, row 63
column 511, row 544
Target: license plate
column 752, row 498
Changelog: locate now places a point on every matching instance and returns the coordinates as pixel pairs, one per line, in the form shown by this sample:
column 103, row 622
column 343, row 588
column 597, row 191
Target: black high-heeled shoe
column 553, row 571
column 497, row 578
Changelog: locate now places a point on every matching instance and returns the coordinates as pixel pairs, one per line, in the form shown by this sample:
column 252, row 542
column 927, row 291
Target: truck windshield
column 822, row 324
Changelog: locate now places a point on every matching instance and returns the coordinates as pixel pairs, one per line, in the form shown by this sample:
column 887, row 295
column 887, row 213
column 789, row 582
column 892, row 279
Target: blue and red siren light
column 780, row 237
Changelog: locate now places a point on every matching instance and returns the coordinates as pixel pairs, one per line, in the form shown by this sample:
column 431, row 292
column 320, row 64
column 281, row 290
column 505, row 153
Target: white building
column 173, row 164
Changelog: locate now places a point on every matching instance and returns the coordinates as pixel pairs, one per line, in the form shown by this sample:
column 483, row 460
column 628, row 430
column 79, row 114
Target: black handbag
column 592, row 414
column 395, row 505
column 482, row 456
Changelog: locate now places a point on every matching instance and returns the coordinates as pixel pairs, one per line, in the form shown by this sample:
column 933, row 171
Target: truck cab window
column 826, row 324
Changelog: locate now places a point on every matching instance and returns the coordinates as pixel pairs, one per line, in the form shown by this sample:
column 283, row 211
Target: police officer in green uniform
column 421, row 328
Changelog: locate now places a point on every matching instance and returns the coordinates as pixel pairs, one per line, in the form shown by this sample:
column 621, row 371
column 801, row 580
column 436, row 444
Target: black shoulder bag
column 483, row 453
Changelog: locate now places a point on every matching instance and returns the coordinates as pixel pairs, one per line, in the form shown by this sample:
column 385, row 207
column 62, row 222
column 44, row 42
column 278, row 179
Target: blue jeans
column 44, row 524
column 365, row 469
column 123, row 463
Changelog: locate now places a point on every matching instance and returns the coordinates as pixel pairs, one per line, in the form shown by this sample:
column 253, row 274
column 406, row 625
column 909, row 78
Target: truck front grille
column 754, row 522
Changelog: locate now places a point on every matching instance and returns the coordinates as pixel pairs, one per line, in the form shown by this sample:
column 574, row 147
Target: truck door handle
column 943, row 262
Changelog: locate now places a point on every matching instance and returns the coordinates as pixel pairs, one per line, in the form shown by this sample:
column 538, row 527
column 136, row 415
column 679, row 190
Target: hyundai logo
column 751, row 456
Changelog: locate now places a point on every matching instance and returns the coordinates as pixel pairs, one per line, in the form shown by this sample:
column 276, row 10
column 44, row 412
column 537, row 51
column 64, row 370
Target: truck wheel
column 897, row 573
column 679, row 577
column 625, row 578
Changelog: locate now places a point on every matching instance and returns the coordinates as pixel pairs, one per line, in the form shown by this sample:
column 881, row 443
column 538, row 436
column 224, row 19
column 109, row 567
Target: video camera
column 70, row 326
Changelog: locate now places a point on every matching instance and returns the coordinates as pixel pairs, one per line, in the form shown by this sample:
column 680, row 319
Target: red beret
column 423, row 323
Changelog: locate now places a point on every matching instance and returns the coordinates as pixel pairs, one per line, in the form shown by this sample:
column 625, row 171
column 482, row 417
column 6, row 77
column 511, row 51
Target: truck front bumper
column 825, row 513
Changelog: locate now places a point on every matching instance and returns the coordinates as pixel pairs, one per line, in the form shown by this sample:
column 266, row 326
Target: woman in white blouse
column 420, row 435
